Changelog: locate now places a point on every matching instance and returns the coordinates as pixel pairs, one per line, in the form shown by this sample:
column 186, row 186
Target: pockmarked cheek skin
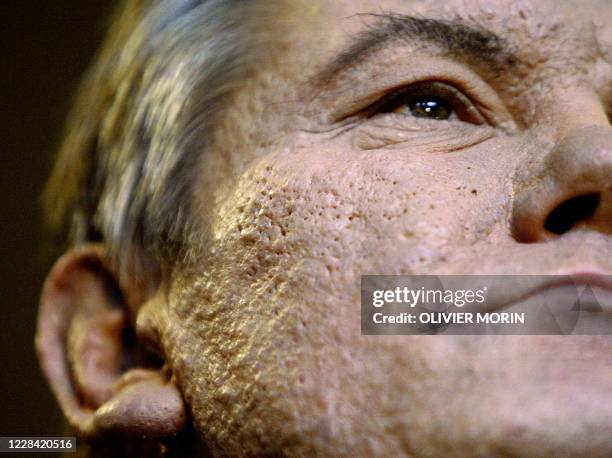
column 266, row 335
column 345, row 207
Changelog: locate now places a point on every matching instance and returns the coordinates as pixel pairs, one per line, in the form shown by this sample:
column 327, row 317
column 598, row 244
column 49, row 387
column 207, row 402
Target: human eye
column 429, row 116
column 431, row 100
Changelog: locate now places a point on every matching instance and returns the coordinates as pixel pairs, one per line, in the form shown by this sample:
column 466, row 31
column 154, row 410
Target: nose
column 572, row 189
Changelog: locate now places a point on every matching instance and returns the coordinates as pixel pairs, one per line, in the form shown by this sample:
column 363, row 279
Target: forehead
column 541, row 11
column 541, row 36
column 524, row 20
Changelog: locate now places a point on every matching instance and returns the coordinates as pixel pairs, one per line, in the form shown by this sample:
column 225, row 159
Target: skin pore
column 327, row 167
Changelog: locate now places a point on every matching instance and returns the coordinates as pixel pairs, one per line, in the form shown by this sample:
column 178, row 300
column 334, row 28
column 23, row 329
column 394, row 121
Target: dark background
column 46, row 49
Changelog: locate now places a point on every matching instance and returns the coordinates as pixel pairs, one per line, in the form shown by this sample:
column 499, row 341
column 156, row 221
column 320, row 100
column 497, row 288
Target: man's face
column 416, row 155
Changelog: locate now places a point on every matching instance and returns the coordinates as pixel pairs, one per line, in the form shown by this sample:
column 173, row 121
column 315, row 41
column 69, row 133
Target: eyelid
column 347, row 105
column 462, row 105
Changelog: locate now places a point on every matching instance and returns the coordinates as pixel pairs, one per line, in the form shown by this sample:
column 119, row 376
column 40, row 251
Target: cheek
column 311, row 223
column 363, row 210
column 272, row 322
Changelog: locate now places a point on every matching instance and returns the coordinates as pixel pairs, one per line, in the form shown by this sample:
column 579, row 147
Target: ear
column 84, row 324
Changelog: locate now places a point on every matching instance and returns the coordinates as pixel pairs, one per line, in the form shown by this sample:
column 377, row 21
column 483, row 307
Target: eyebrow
column 454, row 36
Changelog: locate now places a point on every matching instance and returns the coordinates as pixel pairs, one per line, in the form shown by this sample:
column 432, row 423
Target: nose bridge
column 582, row 161
column 571, row 188
column 573, row 109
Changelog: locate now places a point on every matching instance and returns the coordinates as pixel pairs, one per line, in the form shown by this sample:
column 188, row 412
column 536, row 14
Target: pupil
column 430, row 108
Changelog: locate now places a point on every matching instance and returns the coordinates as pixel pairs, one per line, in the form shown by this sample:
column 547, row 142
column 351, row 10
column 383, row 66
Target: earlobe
column 80, row 342
column 144, row 404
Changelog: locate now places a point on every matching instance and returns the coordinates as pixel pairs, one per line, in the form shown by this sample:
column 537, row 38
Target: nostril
column 571, row 212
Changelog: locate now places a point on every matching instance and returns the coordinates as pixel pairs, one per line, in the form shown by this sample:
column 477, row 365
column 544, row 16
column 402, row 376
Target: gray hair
column 142, row 119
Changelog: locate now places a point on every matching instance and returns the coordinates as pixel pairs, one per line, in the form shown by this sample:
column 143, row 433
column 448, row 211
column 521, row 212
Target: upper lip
column 549, row 282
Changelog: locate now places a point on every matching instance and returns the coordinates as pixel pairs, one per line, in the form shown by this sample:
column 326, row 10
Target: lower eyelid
column 430, row 136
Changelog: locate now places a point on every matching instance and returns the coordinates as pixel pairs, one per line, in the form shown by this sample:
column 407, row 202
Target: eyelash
column 461, row 104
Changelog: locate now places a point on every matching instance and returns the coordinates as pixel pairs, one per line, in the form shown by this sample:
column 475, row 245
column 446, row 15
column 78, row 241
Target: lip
column 599, row 279
column 577, row 302
column 579, row 279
